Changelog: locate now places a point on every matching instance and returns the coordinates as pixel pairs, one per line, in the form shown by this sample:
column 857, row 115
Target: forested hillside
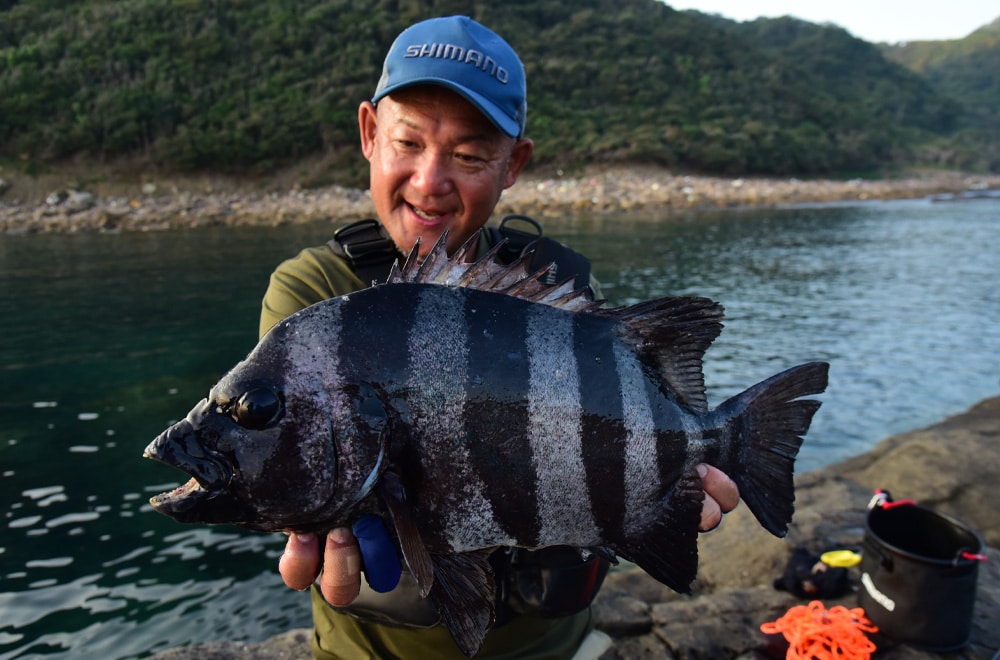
column 242, row 86
column 966, row 69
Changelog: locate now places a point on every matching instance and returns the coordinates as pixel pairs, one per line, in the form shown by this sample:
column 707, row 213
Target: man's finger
column 299, row 565
column 719, row 487
column 340, row 581
column 711, row 514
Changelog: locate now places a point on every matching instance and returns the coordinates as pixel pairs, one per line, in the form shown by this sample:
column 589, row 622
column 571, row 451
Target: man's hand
column 721, row 496
column 340, row 578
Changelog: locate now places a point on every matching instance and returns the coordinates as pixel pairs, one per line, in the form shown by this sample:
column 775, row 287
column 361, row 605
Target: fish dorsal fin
column 673, row 334
column 487, row 274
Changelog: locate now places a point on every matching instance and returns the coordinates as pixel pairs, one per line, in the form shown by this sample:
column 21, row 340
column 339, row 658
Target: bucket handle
column 883, row 499
column 969, row 556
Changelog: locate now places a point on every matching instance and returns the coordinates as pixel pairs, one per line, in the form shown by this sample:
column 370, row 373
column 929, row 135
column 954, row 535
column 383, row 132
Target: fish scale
column 438, row 372
column 640, row 431
column 554, row 429
column 473, row 407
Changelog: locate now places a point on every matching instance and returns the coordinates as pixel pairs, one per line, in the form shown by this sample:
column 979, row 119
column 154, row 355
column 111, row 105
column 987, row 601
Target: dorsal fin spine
column 486, row 274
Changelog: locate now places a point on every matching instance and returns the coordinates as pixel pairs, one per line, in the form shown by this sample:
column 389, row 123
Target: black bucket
column 918, row 574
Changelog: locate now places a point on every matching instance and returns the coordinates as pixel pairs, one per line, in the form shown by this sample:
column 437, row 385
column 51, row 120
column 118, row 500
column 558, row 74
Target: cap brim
column 507, row 125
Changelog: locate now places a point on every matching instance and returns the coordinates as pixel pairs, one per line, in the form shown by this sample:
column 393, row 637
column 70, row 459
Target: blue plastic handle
column 382, row 569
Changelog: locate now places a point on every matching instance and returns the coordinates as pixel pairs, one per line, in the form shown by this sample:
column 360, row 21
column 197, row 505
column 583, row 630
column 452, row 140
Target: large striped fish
column 473, row 407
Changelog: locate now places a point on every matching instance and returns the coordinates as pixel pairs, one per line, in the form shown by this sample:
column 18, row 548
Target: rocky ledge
column 61, row 203
column 950, row 467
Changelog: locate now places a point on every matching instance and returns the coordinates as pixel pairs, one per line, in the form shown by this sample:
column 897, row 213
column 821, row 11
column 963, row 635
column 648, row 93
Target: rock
column 292, row 645
column 56, row 198
column 622, row 611
column 951, row 467
column 78, row 200
column 724, row 625
column 199, row 202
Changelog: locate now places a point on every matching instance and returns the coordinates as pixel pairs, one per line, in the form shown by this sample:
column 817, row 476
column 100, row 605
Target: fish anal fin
column 415, row 553
column 464, row 594
column 666, row 545
column 673, row 334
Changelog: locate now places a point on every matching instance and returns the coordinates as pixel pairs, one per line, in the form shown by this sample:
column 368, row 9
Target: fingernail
column 304, row 539
column 340, row 536
column 702, row 470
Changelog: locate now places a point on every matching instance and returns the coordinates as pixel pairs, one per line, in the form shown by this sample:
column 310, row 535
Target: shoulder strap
column 565, row 262
column 367, row 248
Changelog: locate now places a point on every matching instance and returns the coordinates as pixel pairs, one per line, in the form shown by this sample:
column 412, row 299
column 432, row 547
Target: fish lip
column 205, row 496
column 178, row 448
column 190, row 503
column 183, row 498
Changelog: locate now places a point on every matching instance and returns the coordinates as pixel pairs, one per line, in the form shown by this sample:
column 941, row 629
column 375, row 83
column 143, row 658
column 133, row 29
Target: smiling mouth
column 426, row 217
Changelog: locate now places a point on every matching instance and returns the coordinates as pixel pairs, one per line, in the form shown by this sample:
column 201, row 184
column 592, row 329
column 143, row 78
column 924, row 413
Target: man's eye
column 257, row 409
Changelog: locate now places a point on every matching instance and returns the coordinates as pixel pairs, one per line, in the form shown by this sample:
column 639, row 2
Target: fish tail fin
column 765, row 425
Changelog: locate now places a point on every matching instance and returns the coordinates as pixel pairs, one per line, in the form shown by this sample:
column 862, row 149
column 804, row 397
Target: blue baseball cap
column 458, row 53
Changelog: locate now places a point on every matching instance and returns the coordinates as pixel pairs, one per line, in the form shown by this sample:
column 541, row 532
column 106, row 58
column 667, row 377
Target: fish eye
column 257, row 408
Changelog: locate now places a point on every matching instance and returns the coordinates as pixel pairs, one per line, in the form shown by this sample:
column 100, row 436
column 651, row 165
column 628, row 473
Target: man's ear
column 367, row 123
column 519, row 157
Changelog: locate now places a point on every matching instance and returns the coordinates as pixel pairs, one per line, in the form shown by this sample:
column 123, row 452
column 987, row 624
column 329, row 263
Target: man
column 444, row 136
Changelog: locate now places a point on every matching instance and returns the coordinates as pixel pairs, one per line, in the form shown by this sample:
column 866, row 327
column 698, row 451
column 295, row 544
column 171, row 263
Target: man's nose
column 432, row 175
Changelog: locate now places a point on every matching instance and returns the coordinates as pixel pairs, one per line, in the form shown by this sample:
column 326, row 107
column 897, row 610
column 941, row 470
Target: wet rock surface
column 950, row 467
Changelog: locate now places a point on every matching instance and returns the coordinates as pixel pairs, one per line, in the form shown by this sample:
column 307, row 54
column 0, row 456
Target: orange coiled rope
column 815, row 633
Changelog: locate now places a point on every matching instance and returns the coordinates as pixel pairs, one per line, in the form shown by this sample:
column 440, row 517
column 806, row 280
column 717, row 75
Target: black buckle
column 365, row 242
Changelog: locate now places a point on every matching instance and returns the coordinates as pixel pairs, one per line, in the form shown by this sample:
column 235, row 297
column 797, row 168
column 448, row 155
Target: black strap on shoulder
column 366, row 246
column 565, row 263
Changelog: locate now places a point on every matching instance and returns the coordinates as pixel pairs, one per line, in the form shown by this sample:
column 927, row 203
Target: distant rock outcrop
column 30, row 207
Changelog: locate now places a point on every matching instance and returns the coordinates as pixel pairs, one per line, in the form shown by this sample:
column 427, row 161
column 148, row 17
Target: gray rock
column 56, row 198
column 78, row 200
column 292, row 645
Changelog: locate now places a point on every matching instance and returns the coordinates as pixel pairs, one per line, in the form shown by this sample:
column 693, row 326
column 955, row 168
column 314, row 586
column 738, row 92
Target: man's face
column 437, row 163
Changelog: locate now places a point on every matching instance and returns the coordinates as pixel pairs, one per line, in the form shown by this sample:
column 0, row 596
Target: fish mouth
column 180, row 499
column 205, row 496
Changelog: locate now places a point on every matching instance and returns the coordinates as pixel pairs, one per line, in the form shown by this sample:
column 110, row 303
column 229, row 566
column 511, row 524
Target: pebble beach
column 60, row 204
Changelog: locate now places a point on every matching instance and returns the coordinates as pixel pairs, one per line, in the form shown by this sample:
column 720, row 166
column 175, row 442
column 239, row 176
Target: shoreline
column 57, row 203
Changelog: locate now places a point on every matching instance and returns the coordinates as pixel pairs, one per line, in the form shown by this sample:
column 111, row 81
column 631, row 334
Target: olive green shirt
column 314, row 275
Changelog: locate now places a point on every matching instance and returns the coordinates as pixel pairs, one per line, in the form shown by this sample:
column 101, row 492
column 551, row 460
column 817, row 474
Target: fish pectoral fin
column 464, row 594
column 667, row 548
column 415, row 553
